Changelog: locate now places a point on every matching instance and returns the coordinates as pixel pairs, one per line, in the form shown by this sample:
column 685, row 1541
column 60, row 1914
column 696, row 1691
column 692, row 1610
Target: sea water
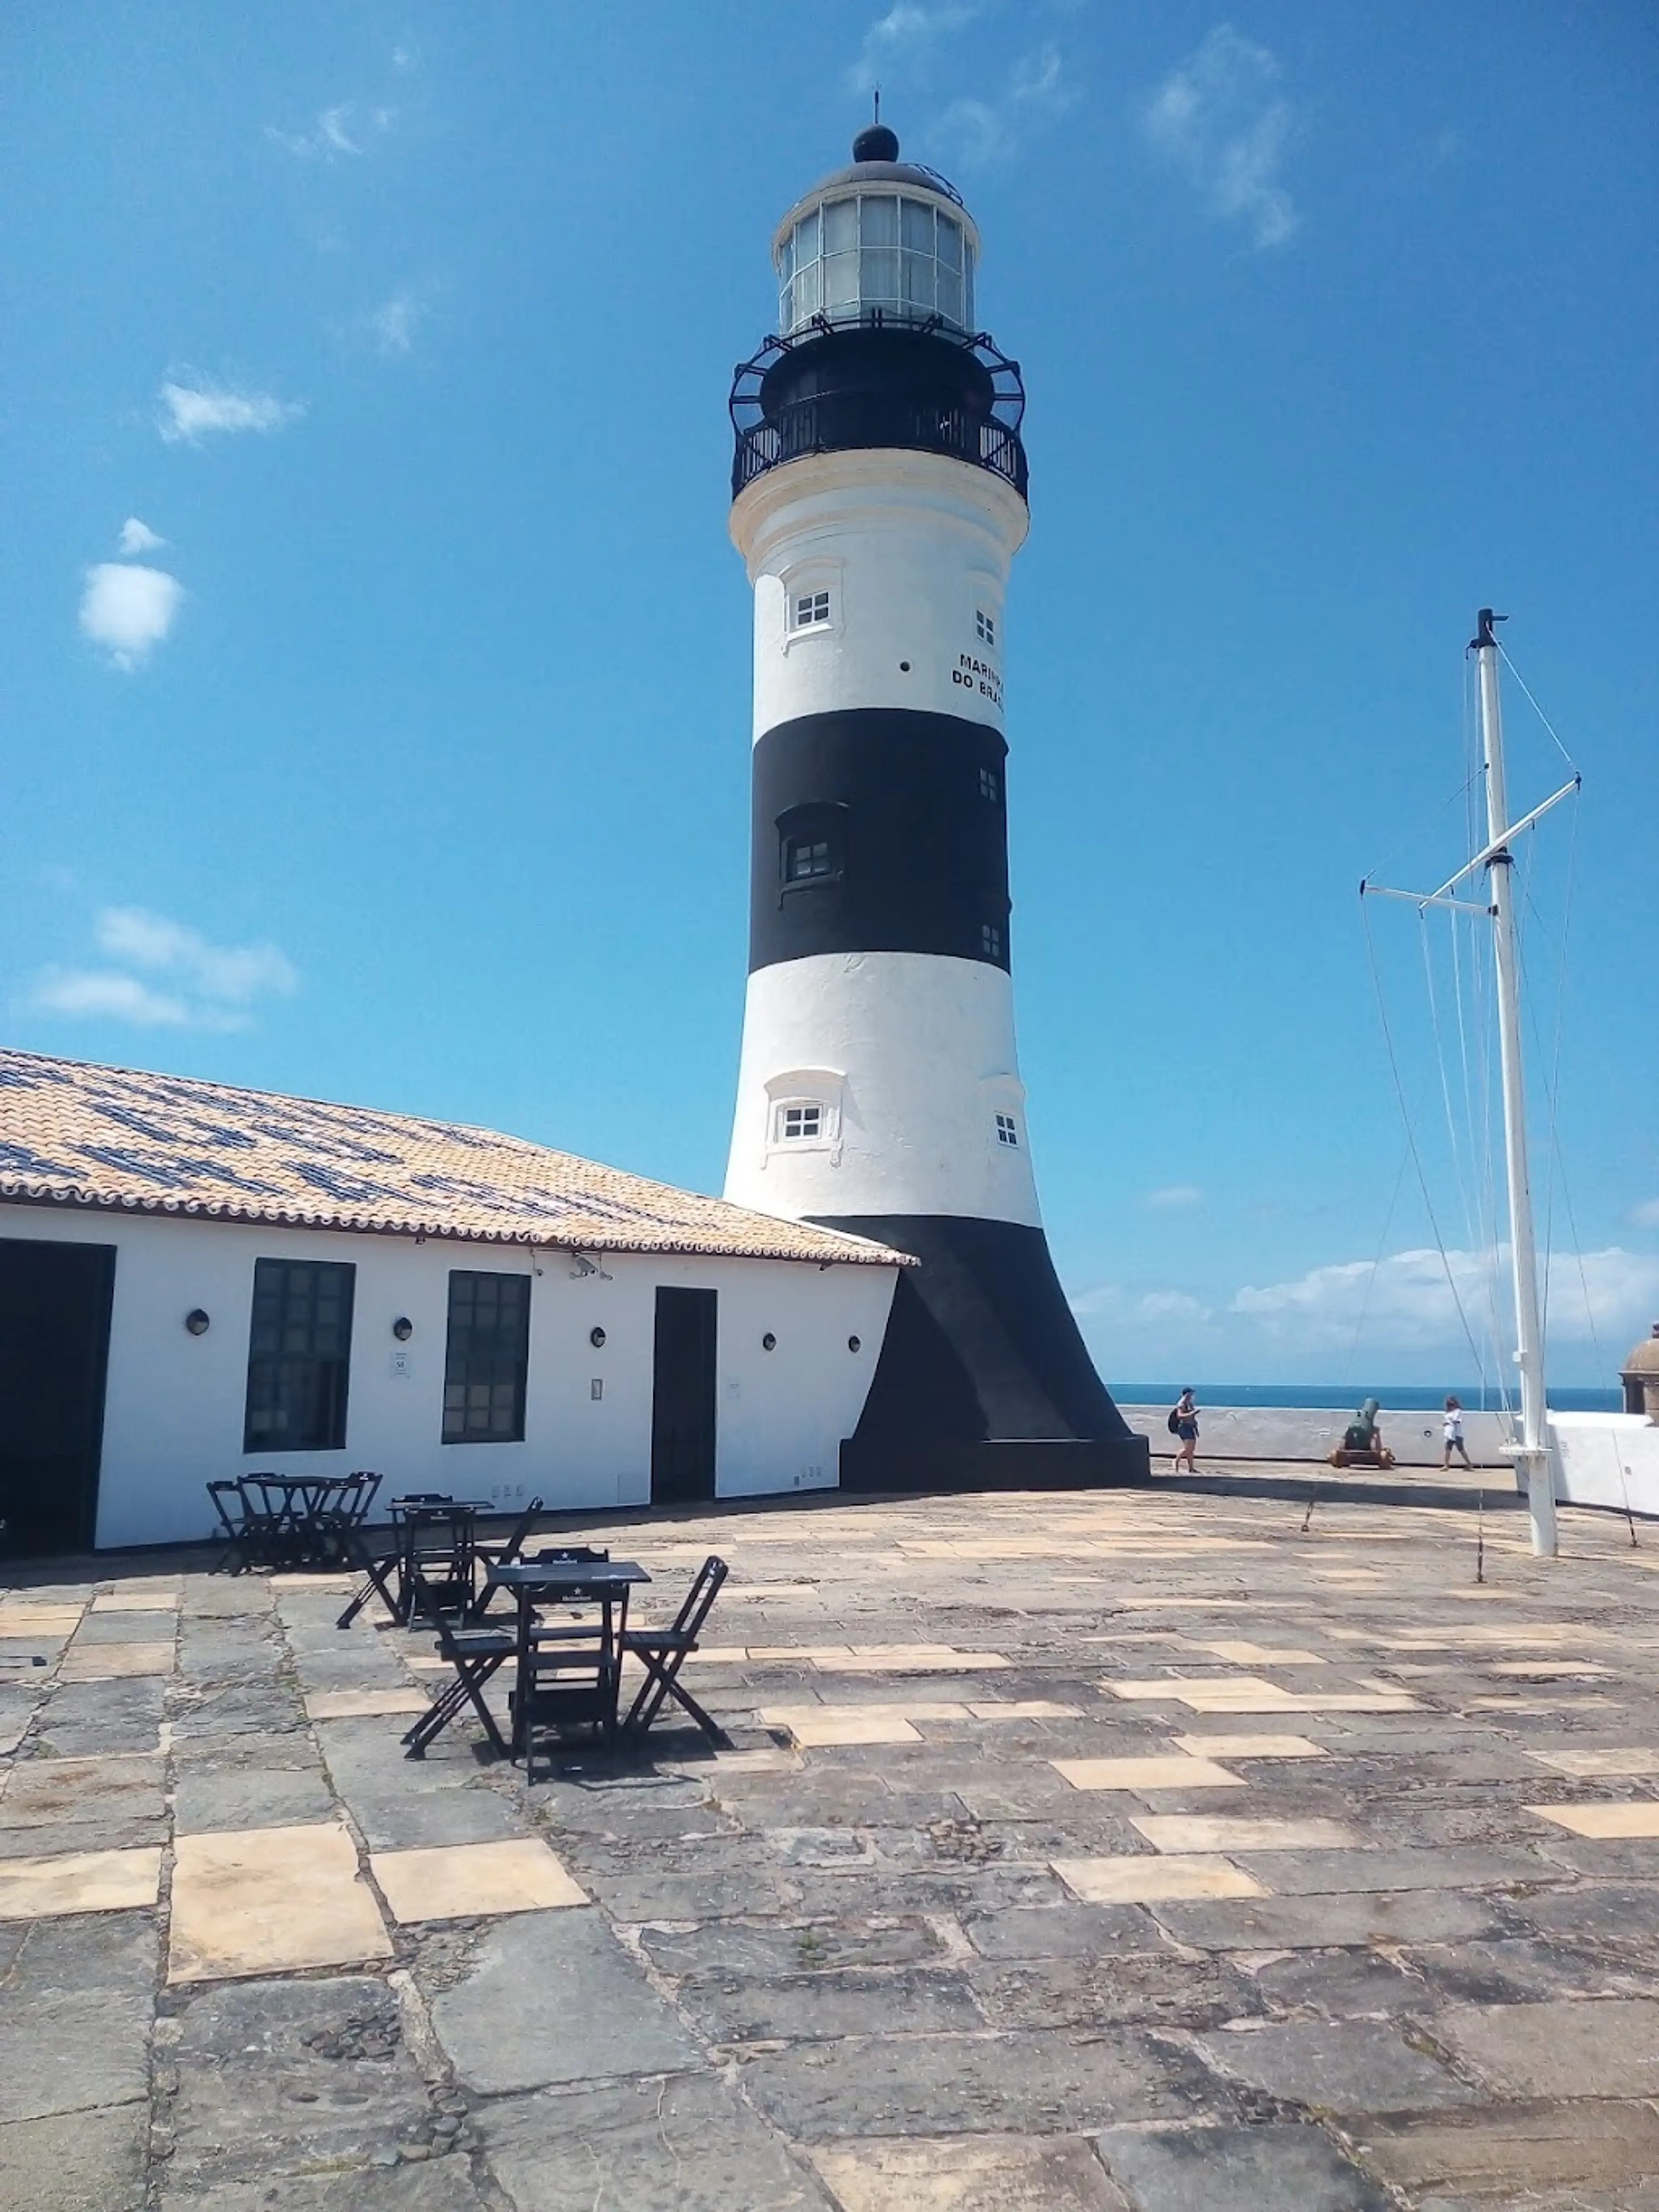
column 1338, row 1397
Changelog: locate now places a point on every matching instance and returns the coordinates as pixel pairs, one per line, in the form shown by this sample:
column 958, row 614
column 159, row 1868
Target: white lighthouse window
column 986, row 625
column 804, row 861
column 1008, row 1131
column 800, row 1124
column 810, row 608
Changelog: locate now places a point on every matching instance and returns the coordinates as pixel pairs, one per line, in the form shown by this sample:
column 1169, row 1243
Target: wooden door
column 54, row 1349
column 683, row 1397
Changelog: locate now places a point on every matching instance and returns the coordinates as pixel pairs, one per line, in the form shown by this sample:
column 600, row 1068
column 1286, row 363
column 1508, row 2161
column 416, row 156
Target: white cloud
column 234, row 973
column 187, row 982
column 1408, row 1302
column 1174, row 1195
column 973, row 131
column 1396, row 1320
column 1127, row 1310
column 393, row 326
column 332, row 131
column 138, row 537
column 110, row 997
column 972, row 134
column 1040, row 80
column 1170, row 1305
column 899, row 42
column 344, row 128
column 1219, row 119
column 191, row 412
column 1646, row 1216
column 127, row 607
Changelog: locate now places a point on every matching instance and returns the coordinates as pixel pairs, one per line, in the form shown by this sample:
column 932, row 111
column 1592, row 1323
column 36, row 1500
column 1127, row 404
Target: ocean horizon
column 1339, row 1397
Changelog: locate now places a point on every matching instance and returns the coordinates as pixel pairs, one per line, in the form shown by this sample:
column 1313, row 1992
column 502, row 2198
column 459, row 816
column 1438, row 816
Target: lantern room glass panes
column 872, row 252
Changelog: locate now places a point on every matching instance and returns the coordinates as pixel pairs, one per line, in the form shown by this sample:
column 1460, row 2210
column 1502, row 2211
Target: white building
column 197, row 1281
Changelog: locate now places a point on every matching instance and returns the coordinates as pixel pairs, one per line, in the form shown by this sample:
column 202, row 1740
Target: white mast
column 1532, row 1455
column 1534, row 1466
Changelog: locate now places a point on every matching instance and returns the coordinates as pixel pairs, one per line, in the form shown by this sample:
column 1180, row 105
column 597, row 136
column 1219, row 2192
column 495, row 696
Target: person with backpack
column 1183, row 1423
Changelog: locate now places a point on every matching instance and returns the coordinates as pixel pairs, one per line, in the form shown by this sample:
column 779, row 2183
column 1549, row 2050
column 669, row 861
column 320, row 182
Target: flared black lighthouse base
column 984, row 1382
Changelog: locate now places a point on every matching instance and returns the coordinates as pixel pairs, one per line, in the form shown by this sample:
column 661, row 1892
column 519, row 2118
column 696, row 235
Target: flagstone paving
column 1014, row 1890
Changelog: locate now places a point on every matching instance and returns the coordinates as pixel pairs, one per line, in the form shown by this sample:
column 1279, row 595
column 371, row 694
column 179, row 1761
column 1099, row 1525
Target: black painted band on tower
column 877, row 829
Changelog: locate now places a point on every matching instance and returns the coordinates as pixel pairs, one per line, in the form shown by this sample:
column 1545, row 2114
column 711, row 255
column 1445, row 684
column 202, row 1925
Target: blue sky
column 375, row 692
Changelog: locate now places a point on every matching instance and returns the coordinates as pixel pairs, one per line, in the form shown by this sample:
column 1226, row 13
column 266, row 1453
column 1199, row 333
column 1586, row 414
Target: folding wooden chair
column 511, row 1547
column 570, row 1672
column 393, row 1571
column 345, row 1508
column 476, row 1654
column 231, row 1506
column 380, row 1568
column 439, row 1564
column 662, row 1651
column 564, row 1555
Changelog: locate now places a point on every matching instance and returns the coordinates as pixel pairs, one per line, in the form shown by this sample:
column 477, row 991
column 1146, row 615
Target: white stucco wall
column 174, row 1403
column 910, row 545
column 1607, row 1459
column 913, row 1056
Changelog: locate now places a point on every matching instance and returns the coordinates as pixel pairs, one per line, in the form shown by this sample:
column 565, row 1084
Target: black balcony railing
column 827, row 391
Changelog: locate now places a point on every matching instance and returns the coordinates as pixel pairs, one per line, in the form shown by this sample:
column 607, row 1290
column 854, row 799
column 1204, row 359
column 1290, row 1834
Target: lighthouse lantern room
column 879, row 497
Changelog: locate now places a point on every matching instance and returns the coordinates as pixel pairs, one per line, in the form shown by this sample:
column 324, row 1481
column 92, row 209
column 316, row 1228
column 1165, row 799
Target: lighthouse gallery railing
column 857, row 417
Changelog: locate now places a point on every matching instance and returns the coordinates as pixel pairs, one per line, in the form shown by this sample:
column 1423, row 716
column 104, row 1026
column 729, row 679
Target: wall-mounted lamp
column 402, row 1328
column 768, row 1342
column 596, row 1338
column 854, row 1343
column 197, row 1321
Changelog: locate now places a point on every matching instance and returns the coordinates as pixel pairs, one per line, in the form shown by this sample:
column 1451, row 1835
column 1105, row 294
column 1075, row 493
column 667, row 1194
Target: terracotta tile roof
column 72, row 1134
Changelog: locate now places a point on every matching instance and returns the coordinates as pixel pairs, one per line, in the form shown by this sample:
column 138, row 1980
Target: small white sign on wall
column 400, row 1364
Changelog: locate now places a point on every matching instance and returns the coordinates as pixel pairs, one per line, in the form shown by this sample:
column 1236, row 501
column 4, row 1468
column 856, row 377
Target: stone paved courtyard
column 1175, row 1849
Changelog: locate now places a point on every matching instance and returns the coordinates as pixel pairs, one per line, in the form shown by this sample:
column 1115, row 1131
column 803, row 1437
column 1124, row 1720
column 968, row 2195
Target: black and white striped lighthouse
column 878, row 501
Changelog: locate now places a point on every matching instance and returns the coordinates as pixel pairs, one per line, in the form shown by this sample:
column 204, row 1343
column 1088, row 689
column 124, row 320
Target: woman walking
column 1183, row 1422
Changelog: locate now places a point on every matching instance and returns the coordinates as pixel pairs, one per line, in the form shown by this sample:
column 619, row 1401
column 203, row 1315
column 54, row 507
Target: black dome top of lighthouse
column 876, row 162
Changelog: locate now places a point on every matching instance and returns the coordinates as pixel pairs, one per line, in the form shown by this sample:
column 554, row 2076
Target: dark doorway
column 683, row 1400
column 54, row 1347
